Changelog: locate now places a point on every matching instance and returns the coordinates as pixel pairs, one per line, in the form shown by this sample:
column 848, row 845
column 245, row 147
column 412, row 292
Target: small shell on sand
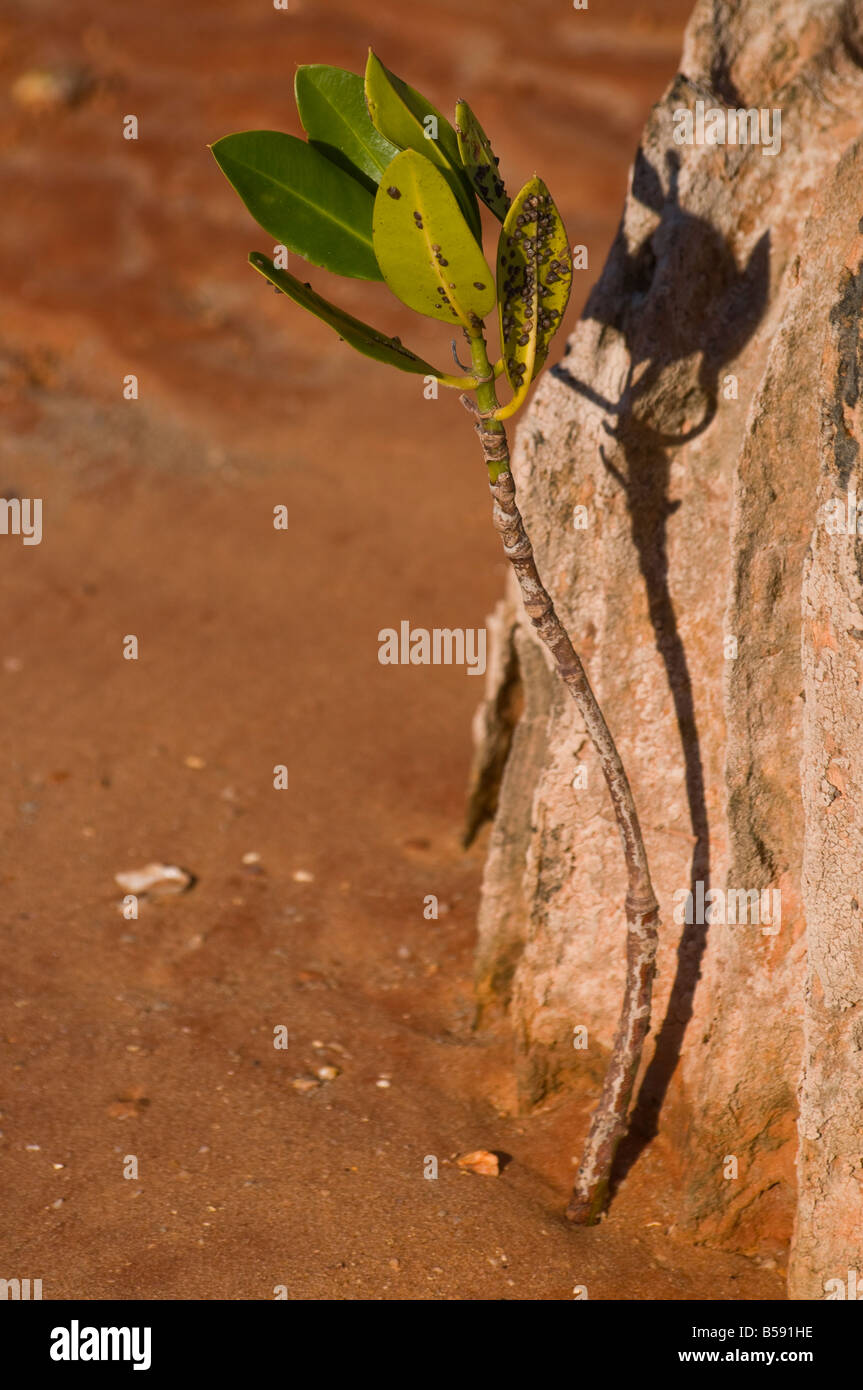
column 155, row 879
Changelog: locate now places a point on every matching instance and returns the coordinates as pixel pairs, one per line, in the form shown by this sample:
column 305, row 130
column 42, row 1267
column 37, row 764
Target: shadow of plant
column 678, row 300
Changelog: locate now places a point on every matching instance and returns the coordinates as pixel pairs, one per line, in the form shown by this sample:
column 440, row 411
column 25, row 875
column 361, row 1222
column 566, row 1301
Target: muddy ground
column 153, row 1038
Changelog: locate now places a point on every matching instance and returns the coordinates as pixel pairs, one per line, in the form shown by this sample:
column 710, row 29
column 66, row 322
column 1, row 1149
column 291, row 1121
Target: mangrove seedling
column 385, row 188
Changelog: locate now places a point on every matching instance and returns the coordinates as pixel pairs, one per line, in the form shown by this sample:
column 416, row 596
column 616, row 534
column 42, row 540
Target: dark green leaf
column 332, row 107
column 360, row 335
column 401, row 114
column 424, row 247
column 479, row 161
column 534, row 276
column 302, row 199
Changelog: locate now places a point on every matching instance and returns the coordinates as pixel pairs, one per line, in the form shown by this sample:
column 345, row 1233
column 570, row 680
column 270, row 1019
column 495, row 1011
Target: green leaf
column 425, row 248
column 534, row 276
column 332, row 107
column 401, row 114
column 359, row 335
column 302, row 199
column 480, row 161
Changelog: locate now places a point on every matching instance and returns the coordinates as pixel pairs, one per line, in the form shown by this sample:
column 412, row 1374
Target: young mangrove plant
column 385, row 188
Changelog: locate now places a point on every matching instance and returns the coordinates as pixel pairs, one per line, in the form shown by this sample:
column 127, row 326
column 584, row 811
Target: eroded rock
column 706, row 409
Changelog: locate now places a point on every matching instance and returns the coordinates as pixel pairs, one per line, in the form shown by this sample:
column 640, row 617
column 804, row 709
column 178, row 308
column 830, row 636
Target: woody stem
column 590, row 1192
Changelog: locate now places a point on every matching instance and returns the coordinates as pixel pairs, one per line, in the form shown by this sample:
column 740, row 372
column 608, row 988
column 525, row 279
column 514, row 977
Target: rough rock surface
column 705, row 411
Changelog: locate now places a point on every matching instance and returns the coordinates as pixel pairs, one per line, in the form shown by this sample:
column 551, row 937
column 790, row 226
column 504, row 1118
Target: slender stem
column 486, row 399
column 608, row 1125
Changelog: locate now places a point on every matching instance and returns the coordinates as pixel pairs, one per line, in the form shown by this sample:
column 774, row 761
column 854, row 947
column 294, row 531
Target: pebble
column 328, row 1073
column 480, row 1161
column 311, row 979
column 304, row 1084
column 46, row 89
column 303, row 876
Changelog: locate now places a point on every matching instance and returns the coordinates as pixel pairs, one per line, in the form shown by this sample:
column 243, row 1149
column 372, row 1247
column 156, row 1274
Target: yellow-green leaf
column 359, row 335
column 409, row 120
column 534, row 276
column 424, row 247
column 480, row 161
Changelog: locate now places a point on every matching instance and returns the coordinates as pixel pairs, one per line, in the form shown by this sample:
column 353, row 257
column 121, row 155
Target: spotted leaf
column 534, row 276
column 425, row 248
column 480, row 161
column 407, row 119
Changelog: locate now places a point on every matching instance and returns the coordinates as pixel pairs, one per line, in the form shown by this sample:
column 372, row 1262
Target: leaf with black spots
column 534, row 277
column 480, row 161
column 409, row 120
column 425, row 248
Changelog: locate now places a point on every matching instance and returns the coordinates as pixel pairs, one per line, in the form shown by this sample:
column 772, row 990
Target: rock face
column 677, row 472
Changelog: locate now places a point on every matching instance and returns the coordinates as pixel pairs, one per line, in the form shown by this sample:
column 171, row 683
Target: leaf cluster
column 386, row 188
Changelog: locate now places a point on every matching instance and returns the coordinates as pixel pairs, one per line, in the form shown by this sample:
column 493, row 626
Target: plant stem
column 590, row 1192
column 486, row 399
